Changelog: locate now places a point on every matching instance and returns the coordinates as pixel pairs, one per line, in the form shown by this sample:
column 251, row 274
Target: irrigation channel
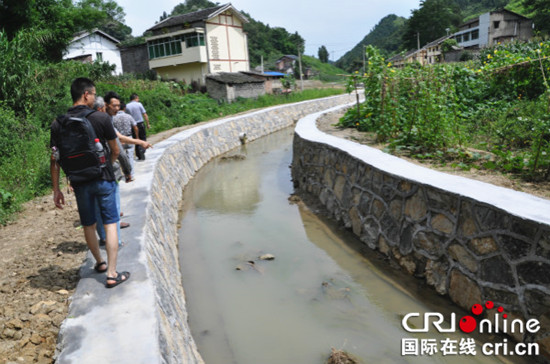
column 318, row 293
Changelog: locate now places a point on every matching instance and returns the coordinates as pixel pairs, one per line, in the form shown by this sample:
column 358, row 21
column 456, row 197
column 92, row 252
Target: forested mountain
column 471, row 8
column 270, row 42
column 386, row 36
column 430, row 21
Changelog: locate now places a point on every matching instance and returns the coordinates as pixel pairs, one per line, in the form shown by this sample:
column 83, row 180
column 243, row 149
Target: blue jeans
column 99, row 227
column 97, row 198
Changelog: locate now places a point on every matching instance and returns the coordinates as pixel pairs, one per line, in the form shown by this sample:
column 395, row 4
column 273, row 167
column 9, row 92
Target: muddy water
column 317, row 294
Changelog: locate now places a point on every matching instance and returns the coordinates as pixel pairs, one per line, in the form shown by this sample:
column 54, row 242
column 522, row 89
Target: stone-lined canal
column 318, row 293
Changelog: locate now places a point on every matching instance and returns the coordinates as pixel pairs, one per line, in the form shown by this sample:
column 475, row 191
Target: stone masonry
column 189, row 151
column 145, row 320
column 463, row 246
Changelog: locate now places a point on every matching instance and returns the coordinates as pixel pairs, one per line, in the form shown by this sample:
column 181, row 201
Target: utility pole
column 418, row 40
column 300, row 63
column 364, row 62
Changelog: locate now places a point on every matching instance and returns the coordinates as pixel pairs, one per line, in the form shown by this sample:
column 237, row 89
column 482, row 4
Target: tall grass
column 24, row 135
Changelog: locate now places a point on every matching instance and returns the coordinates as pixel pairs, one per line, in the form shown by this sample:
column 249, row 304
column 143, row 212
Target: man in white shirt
column 136, row 109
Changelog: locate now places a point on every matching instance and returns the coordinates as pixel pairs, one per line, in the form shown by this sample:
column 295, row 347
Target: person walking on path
column 121, row 169
column 101, row 189
column 125, row 124
column 136, row 109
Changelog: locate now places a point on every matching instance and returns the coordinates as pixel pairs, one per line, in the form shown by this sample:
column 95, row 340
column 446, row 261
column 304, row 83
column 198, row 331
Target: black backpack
column 78, row 155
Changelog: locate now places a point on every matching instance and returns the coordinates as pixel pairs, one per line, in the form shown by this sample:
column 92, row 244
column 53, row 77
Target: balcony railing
column 189, row 55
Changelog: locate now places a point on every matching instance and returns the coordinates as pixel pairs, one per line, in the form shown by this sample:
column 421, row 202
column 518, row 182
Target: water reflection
column 317, row 294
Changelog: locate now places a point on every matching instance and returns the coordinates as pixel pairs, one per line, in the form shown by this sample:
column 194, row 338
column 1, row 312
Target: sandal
column 99, row 264
column 118, row 279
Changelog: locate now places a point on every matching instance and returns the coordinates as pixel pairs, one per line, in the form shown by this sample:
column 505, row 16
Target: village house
column 499, row 26
column 228, row 86
column 286, row 64
column 92, row 46
column 272, row 80
column 188, row 47
column 433, row 51
column 414, row 56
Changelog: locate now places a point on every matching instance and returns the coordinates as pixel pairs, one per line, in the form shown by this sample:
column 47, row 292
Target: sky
column 337, row 24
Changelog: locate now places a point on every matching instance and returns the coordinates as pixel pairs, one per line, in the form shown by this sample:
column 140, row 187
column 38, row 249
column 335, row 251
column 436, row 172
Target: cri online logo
column 468, row 324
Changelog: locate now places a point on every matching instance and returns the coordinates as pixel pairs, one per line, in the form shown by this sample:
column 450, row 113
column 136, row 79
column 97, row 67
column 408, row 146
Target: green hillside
column 392, row 34
column 323, row 71
column 386, row 36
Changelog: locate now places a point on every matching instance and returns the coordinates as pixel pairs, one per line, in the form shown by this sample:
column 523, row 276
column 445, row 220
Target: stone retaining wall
column 187, row 153
column 145, row 320
column 473, row 241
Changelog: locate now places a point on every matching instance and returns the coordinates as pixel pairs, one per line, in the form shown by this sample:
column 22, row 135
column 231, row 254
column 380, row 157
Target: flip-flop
column 118, row 279
column 124, row 225
column 99, row 264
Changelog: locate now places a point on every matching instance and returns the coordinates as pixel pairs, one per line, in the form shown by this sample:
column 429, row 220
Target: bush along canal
column 267, row 280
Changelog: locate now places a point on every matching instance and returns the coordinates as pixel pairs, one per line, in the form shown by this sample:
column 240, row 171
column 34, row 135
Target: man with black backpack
column 79, row 140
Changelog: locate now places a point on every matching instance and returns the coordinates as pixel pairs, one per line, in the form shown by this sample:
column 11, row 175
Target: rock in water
column 267, row 257
column 341, row 357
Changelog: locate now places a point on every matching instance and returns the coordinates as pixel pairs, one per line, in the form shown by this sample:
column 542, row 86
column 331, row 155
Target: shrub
column 501, row 102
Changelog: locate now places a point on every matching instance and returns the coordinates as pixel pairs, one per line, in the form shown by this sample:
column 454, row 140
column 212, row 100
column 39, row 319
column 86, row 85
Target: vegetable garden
column 492, row 113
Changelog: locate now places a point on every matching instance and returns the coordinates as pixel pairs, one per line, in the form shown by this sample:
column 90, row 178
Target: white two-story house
column 95, row 45
column 188, row 47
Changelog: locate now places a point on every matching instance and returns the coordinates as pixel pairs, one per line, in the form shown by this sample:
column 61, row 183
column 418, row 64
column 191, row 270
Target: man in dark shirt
column 101, row 190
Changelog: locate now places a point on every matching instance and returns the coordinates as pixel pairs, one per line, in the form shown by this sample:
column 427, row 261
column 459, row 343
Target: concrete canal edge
column 473, row 241
column 145, row 320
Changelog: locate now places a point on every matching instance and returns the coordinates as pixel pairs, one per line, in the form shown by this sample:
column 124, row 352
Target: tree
column 116, row 29
column 270, row 43
column 541, row 14
column 323, row 54
column 106, row 10
column 448, row 45
column 386, row 36
column 14, row 15
column 430, row 22
column 54, row 22
column 189, row 6
column 106, row 15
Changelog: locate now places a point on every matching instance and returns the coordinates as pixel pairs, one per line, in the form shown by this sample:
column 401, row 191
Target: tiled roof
column 195, row 16
column 437, row 41
column 85, row 33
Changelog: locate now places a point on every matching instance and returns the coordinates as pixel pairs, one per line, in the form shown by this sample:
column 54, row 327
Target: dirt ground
column 44, row 248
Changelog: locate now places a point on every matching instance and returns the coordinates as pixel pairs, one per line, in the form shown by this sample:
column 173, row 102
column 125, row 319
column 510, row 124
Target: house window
column 99, row 56
column 475, row 34
column 194, row 40
column 465, row 37
column 459, row 38
column 164, row 47
column 496, row 24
